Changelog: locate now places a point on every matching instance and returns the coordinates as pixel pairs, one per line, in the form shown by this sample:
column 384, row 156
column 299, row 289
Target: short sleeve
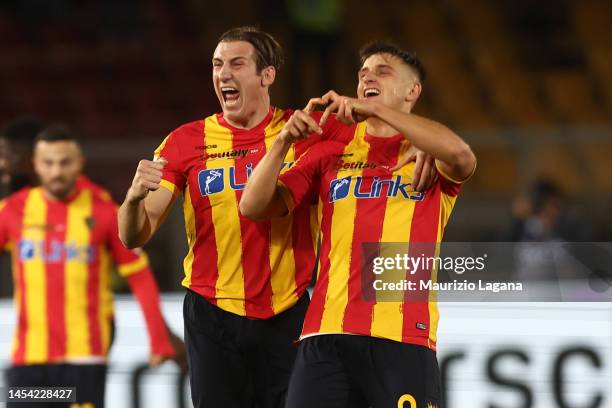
column 449, row 185
column 4, row 225
column 303, row 179
column 173, row 178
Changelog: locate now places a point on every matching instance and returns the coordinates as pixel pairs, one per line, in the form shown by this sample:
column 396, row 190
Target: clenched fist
column 147, row 178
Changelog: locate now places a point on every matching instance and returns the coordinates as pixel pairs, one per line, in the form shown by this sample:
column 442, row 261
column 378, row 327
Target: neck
column 378, row 128
column 253, row 117
column 54, row 197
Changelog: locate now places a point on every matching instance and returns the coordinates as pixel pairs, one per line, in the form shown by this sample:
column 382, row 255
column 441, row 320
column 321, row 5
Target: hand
column 147, row 178
column 347, row 110
column 424, row 174
column 299, row 126
column 179, row 357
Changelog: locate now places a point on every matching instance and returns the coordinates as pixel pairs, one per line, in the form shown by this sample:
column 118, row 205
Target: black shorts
column 340, row 370
column 89, row 380
column 239, row 362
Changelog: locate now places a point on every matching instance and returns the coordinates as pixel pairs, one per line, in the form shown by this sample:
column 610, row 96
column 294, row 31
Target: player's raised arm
column 453, row 155
column 262, row 197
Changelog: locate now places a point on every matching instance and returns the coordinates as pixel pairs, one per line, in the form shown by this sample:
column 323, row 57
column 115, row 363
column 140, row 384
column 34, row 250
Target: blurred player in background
column 63, row 240
column 356, row 352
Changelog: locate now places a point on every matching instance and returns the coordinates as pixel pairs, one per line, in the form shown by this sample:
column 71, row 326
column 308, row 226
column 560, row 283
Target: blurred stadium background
column 527, row 84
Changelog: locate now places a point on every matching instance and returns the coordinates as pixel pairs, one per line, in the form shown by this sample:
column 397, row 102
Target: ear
column 268, row 75
column 414, row 92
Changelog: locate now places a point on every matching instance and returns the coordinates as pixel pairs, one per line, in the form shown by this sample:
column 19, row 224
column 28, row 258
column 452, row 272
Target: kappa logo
column 341, row 188
column 90, row 222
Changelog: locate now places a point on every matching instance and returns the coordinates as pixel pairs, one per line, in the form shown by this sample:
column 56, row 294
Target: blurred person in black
column 16, row 143
column 16, row 172
column 547, row 214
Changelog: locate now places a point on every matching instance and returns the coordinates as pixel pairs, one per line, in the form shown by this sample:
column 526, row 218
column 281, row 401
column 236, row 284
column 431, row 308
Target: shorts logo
column 406, row 401
column 339, row 189
column 211, row 181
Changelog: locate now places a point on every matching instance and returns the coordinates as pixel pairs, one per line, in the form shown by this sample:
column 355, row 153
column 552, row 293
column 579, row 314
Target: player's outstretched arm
column 145, row 206
column 261, row 198
column 453, row 156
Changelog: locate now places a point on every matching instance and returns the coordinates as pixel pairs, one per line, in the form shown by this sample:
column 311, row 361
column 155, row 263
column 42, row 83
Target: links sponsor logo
column 55, row 251
column 213, row 181
column 342, row 187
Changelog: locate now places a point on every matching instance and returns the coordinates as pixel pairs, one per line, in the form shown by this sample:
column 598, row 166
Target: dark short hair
column 385, row 47
column 56, row 133
column 267, row 50
column 22, row 131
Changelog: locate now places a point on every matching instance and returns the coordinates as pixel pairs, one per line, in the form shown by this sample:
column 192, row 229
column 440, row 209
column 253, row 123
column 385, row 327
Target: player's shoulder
column 15, row 203
column 18, row 198
column 189, row 129
column 186, row 134
column 325, row 149
column 98, row 193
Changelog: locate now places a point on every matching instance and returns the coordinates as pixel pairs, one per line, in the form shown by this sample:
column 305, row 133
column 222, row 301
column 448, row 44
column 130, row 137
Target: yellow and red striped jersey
column 62, row 254
column 361, row 201
column 253, row 269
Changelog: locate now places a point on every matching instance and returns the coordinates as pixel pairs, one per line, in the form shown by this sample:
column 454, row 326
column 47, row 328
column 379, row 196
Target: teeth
column 228, row 89
column 371, row 92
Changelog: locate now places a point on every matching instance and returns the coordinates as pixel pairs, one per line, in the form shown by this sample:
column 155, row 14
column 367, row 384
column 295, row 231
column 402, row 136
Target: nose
column 225, row 72
column 369, row 77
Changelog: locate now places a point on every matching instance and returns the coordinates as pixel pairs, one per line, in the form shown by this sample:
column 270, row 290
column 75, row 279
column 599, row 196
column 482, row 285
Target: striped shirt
column 361, row 202
column 253, row 269
column 62, row 255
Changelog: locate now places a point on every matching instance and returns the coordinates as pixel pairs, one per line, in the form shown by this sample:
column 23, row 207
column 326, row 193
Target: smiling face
column 389, row 80
column 242, row 90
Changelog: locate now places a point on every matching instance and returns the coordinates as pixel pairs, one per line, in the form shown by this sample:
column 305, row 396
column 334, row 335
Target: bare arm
column 146, row 205
column 454, row 156
column 261, row 198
